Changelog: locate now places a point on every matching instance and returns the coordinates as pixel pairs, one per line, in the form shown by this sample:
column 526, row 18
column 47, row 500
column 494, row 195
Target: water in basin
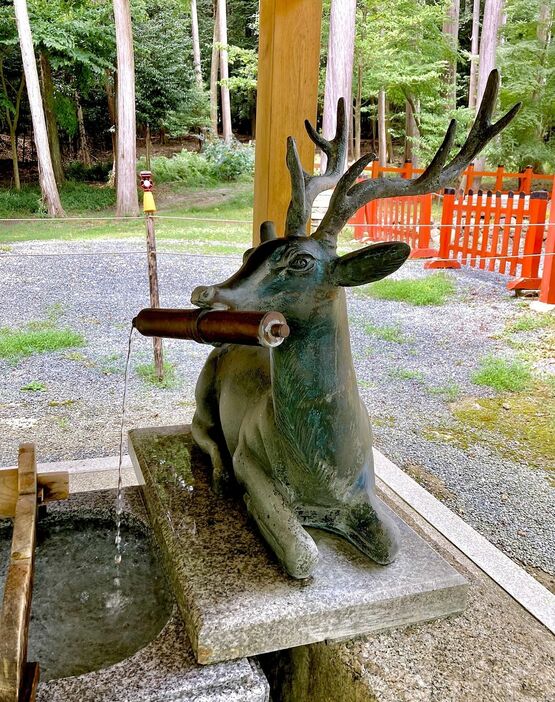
column 88, row 613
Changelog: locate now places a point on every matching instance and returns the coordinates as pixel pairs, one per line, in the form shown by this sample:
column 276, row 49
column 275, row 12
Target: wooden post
column 18, row 588
column 288, row 71
column 547, row 287
column 500, row 174
column 444, row 260
column 149, row 209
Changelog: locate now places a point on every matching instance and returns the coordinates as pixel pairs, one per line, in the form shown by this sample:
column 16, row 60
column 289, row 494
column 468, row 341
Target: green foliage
column 218, row 162
column 435, row 289
column 34, row 386
column 166, row 93
column 97, row 172
column 36, row 337
column 80, row 197
column 449, row 392
column 230, row 161
column 147, row 373
column 404, row 374
column 527, row 62
column 185, row 167
column 502, row 374
column 386, row 332
column 531, row 322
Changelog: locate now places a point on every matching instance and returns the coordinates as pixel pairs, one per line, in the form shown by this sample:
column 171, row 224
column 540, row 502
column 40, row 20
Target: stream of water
column 119, row 500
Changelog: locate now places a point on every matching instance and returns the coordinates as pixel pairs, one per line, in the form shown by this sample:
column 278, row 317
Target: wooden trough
column 22, row 490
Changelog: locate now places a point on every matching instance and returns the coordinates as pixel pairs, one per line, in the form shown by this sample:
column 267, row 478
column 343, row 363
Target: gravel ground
column 78, row 413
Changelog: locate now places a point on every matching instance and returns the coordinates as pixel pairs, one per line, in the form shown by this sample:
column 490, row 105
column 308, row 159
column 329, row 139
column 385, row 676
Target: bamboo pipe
column 267, row 329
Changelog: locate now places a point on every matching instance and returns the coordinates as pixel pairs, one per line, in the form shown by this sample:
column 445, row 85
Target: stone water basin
column 106, row 636
column 87, row 612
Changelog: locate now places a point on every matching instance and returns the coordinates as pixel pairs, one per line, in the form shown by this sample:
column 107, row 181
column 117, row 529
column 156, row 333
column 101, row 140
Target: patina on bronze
column 287, row 424
column 267, row 329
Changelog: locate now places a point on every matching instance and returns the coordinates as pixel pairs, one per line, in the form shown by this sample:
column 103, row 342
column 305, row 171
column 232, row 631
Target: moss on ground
column 519, row 426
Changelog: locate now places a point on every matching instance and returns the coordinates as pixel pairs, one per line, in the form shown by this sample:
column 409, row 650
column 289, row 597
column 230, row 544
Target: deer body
column 287, row 424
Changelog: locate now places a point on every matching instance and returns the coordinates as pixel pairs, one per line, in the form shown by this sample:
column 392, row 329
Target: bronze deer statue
column 287, row 424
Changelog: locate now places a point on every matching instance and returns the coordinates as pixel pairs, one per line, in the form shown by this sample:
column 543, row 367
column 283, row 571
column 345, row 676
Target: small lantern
column 148, row 198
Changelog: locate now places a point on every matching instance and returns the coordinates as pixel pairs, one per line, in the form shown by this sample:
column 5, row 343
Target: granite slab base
column 235, row 598
column 165, row 670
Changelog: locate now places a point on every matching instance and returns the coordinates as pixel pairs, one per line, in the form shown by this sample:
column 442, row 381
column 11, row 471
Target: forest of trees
column 416, row 64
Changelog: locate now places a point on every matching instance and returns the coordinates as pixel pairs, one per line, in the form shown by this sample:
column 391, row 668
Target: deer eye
column 301, row 263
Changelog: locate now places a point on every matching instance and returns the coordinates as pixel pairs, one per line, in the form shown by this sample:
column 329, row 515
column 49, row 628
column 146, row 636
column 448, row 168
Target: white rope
column 484, row 256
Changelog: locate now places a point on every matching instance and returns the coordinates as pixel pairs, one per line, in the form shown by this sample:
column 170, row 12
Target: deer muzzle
column 203, row 296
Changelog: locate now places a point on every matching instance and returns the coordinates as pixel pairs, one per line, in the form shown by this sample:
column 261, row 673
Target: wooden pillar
column 288, row 71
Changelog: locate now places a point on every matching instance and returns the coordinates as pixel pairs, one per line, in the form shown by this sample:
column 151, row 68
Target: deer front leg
column 206, row 428
column 294, row 547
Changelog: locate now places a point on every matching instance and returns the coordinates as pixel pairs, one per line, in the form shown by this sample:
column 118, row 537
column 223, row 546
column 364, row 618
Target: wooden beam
column 51, row 486
column 18, row 587
column 288, row 72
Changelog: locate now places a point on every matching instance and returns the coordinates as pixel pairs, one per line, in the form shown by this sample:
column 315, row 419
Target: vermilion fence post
column 445, row 233
column 499, row 175
column 406, row 171
column 525, row 184
column 424, row 226
column 529, row 277
column 468, row 178
column 547, row 286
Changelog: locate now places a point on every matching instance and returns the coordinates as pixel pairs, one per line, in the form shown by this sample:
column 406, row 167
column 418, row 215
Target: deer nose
column 203, row 295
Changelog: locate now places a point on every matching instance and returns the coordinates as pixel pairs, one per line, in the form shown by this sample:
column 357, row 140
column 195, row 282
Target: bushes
column 75, row 197
column 185, row 167
column 230, row 161
column 97, row 172
column 218, row 162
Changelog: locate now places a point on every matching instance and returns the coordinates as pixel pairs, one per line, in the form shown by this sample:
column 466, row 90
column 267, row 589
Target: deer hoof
column 371, row 532
column 293, row 546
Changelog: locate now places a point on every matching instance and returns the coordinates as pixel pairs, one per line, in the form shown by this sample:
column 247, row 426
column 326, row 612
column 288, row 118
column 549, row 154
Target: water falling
column 119, row 498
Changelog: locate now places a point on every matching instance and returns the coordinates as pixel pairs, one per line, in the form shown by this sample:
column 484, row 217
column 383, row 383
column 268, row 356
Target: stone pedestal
column 234, row 597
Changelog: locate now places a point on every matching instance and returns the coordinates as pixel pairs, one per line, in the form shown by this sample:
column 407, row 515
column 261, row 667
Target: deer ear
column 369, row 264
column 248, row 253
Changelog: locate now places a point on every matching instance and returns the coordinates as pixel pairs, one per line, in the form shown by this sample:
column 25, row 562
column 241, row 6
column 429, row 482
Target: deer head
column 297, row 274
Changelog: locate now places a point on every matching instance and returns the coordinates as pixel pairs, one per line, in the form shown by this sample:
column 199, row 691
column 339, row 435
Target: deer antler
column 350, row 196
column 305, row 187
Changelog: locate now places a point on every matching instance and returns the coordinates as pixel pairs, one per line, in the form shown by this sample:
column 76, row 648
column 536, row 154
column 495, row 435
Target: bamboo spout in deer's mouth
column 267, row 329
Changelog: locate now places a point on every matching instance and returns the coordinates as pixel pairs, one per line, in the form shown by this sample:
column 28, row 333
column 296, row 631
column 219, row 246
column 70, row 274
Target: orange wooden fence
column 401, row 218
column 523, row 180
column 495, row 232
column 547, row 286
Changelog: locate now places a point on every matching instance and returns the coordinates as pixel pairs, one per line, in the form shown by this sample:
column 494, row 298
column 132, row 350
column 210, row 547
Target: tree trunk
column 339, row 68
column 127, row 198
column 382, row 129
column 451, row 32
column 390, row 154
column 544, row 39
column 83, row 141
column 475, row 42
column 412, row 133
column 47, row 179
column 196, row 44
column 148, row 147
column 358, row 108
column 50, row 114
column 488, row 43
column 488, row 48
column 224, row 71
column 214, row 78
column 111, row 99
column 15, row 161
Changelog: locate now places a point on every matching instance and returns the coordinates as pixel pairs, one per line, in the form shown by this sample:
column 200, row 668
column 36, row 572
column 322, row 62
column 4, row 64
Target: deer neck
column 315, row 395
